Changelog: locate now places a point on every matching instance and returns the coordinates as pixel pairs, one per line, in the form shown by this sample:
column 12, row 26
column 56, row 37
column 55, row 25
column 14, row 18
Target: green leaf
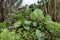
column 26, row 27
column 19, row 16
column 39, row 35
column 27, row 22
column 17, row 24
column 34, row 23
column 3, row 24
column 37, row 14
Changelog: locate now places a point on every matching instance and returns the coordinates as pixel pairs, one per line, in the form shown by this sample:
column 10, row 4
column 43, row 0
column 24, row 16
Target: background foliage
column 32, row 22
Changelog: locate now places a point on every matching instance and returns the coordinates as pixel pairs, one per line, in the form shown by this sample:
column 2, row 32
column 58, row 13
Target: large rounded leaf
column 27, row 27
column 39, row 35
column 37, row 14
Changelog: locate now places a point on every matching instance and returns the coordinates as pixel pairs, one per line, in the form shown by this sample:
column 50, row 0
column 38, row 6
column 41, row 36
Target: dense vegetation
column 29, row 23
